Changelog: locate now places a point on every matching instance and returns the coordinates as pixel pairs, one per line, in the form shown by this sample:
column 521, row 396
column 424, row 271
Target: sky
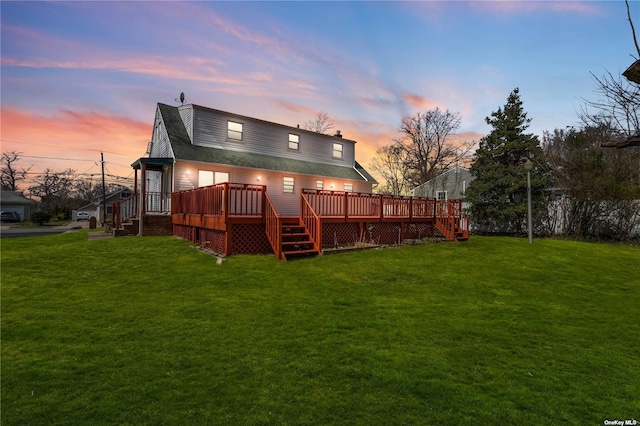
column 84, row 77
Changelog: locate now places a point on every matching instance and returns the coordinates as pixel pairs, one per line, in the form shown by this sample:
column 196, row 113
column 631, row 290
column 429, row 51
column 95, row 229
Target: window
column 294, row 141
column 221, row 177
column 441, row 195
column 234, row 130
column 337, row 150
column 205, row 177
column 319, row 185
column 348, row 187
column 287, row 186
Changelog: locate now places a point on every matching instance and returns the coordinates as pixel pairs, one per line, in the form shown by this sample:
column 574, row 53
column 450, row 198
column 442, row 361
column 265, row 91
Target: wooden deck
column 237, row 218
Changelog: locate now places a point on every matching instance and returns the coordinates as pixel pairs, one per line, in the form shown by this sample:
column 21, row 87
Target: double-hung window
column 337, row 150
column 441, row 195
column 294, row 141
column 234, row 130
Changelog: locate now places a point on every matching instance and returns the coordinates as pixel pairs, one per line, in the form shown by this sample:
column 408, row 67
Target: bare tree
column 600, row 188
column 10, row 175
column 618, row 107
column 320, row 124
column 426, row 148
column 53, row 188
column 388, row 165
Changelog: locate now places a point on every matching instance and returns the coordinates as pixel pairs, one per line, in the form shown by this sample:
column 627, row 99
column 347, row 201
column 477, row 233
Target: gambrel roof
column 183, row 149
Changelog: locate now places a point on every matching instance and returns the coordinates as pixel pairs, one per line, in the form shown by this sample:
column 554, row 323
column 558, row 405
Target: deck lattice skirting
column 233, row 218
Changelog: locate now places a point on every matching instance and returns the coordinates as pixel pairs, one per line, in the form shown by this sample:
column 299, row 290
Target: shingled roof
column 183, row 149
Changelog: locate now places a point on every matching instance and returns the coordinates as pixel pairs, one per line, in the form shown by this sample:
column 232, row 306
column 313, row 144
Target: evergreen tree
column 498, row 195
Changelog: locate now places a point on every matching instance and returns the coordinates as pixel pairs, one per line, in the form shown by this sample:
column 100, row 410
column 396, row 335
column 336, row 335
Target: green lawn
column 152, row 331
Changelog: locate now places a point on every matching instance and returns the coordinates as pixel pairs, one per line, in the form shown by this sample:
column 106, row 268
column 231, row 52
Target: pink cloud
column 418, row 101
column 432, row 10
column 74, row 135
column 521, row 7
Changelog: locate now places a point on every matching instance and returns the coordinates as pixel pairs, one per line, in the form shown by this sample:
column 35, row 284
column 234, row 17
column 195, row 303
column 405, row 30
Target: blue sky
column 83, row 77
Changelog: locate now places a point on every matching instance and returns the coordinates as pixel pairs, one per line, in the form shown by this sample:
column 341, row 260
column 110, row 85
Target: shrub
column 40, row 217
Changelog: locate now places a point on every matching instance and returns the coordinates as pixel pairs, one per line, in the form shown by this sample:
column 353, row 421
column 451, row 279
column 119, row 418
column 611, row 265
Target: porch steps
column 296, row 240
column 130, row 227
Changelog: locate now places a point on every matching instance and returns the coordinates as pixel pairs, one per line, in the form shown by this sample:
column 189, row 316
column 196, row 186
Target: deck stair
column 296, row 240
column 450, row 229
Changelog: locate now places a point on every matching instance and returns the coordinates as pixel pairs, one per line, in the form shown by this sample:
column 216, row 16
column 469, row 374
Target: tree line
column 59, row 192
column 580, row 187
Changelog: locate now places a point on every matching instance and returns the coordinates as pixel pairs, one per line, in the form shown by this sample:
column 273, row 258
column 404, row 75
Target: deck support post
column 346, row 205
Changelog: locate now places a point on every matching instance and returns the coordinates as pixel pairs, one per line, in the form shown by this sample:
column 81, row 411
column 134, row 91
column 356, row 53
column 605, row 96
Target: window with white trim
column 234, row 130
column 294, row 141
column 441, row 195
column 287, row 185
column 221, row 177
column 319, row 185
column 348, row 187
column 337, row 150
column 205, row 178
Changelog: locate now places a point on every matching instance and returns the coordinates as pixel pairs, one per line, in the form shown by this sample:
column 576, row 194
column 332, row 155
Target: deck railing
column 157, row 202
column 123, row 210
column 359, row 205
column 312, row 222
column 225, row 199
column 272, row 226
column 130, row 207
column 450, row 219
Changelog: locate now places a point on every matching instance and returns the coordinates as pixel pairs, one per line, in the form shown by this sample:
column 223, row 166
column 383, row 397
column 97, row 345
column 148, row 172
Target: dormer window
column 337, row 150
column 234, row 130
column 294, row 141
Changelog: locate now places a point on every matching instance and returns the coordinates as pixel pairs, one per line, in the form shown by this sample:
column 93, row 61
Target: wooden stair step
column 296, row 234
column 300, row 252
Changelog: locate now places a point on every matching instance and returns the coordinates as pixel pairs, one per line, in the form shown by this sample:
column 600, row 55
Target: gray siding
column 186, row 113
column 454, row 182
column 160, row 147
column 262, row 137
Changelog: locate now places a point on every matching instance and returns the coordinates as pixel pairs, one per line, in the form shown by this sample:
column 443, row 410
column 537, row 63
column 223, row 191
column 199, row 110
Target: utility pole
column 104, row 193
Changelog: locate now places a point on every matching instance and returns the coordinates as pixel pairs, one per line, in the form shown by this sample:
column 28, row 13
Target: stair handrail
column 442, row 219
column 124, row 209
column 311, row 220
column 272, row 227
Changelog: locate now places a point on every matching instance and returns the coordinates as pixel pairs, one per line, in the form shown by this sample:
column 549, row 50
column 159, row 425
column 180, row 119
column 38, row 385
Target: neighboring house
column 450, row 185
column 14, row 201
column 96, row 208
column 237, row 184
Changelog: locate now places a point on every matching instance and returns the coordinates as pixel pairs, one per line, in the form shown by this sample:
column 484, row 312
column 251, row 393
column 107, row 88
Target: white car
column 82, row 216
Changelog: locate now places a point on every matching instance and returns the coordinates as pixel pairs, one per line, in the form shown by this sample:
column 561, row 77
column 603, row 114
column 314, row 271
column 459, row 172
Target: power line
column 56, row 158
column 65, row 147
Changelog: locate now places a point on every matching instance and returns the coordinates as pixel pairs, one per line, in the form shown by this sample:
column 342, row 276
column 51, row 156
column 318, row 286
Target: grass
column 29, row 224
column 151, row 331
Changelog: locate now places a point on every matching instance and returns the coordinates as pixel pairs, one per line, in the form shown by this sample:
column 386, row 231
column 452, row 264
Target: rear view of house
column 238, row 184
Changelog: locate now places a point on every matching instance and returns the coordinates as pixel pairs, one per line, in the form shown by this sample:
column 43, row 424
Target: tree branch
column 633, row 30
